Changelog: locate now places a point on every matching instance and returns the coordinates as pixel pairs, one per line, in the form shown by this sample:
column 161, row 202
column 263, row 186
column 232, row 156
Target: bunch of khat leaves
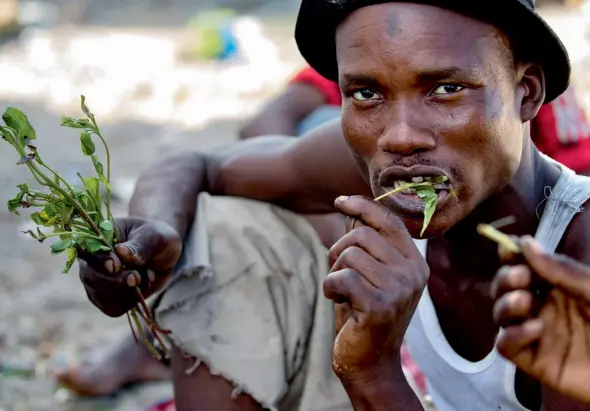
column 426, row 190
column 77, row 216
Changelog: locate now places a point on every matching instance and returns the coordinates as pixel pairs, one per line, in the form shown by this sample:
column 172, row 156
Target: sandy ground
column 150, row 103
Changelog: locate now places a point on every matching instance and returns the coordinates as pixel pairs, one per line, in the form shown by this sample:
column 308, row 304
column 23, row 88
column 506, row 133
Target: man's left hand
column 547, row 333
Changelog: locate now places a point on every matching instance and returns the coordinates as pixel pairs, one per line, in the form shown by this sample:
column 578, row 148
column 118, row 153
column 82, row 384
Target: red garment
column 560, row 130
column 328, row 88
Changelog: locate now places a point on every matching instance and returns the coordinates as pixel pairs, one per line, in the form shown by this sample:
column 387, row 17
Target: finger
column 153, row 243
column 516, row 341
column 352, row 223
column 381, row 219
column 513, row 307
column 558, row 270
column 509, row 279
column 369, row 240
column 349, row 286
column 370, row 269
column 507, row 256
column 107, row 263
column 93, row 278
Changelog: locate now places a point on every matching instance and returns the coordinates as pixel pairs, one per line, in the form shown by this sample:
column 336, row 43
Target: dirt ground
column 150, row 103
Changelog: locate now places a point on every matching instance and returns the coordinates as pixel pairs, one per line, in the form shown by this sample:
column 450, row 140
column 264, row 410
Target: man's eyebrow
column 351, row 80
column 429, row 76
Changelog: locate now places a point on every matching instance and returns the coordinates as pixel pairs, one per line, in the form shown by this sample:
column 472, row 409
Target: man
column 428, row 92
column 559, row 130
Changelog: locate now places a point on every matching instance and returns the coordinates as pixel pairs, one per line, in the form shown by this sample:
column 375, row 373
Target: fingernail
column 533, row 326
column 533, row 245
column 342, row 199
column 133, row 279
column 109, row 265
column 151, row 276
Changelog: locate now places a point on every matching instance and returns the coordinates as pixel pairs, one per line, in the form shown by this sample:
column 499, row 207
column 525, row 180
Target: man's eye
column 447, row 89
column 365, row 94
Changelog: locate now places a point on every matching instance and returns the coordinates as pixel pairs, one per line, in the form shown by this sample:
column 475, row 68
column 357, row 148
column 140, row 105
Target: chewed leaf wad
column 427, row 192
column 76, row 216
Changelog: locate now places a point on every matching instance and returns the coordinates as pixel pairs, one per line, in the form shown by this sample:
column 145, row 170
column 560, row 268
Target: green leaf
column 88, row 147
column 17, row 201
column 51, row 210
column 97, row 165
column 72, row 255
column 38, row 219
column 19, row 121
column 85, row 108
column 61, row 245
column 75, row 122
column 93, row 246
column 106, row 228
column 66, row 215
column 93, row 189
column 430, row 197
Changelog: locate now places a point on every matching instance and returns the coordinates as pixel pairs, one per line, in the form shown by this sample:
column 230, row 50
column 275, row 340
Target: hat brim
column 315, row 34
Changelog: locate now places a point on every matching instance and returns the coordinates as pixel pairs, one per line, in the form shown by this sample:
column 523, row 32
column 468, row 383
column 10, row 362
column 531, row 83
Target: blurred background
column 156, row 77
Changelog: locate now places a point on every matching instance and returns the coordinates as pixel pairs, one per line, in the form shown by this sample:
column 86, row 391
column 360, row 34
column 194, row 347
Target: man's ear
column 531, row 90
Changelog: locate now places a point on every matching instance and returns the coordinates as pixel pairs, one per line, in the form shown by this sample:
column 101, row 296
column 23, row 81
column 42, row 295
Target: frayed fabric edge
column 239, row 387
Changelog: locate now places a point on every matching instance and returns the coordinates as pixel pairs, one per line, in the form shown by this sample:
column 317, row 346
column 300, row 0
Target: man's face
column 429, row 92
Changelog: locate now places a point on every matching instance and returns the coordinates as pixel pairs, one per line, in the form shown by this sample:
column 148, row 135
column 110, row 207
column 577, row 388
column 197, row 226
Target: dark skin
column 540, row 332
column 469, row 123
column 283, row 113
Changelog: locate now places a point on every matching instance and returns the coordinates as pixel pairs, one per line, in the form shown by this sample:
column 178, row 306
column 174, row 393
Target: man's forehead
column 396, row 19
column 419, row 31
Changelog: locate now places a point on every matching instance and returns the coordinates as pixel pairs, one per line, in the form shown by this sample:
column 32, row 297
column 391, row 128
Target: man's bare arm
column 283, row 113
column 304, row 175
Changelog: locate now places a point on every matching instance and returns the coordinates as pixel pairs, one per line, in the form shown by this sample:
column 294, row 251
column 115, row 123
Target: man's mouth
column 403, row 189
column 410, row 186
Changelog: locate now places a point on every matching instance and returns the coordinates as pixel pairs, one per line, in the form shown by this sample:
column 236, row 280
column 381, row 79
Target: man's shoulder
column 576, row 240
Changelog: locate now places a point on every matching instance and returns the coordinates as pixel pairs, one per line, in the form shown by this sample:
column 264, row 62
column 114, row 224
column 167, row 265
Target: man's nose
column 406, row 132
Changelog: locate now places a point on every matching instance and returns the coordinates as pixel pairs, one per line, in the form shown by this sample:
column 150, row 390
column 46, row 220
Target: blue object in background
column 229, row 43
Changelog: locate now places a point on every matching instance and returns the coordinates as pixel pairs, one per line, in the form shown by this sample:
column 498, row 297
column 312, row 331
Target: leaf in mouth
column 426, row 191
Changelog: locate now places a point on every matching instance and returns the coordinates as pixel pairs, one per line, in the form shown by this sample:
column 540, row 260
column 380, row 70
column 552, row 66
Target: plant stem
column 80, row 233
column 74, row 202
column 499, row 237
column 68, row 186
column 144, row 338
column 83, row 227
column 108, row 154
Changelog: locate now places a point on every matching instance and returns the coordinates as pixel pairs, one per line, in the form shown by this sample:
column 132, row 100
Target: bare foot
column 128, row 363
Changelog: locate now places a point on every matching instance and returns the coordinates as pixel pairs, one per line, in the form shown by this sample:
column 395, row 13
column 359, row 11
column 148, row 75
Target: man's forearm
column 168, row 191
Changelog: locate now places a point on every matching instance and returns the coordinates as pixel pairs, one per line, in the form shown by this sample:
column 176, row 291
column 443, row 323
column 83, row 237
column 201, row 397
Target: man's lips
column 410, row 204
column 391, row 175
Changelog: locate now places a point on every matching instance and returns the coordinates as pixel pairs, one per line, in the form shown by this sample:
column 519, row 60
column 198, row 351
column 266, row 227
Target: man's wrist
column 383, row 390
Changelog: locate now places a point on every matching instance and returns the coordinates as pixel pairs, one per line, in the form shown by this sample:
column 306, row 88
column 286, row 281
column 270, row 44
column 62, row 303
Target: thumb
column 141, row 244
column 558, row 270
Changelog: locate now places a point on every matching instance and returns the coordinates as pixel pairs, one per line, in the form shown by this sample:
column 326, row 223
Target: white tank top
column 456, row 384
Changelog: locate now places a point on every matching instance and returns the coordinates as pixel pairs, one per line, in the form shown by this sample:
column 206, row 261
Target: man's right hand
column 145, row 255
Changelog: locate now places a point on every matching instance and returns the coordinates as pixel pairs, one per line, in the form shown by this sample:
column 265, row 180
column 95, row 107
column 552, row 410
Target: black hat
column 534, row 40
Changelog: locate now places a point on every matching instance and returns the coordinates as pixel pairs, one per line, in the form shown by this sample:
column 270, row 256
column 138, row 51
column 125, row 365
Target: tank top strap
column 561, row 204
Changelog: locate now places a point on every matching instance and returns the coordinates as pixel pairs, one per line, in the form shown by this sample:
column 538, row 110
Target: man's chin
column 415, row 227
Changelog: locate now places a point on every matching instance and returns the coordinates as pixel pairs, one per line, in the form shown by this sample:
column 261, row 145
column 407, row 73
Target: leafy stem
column 75, row 213
column 73, row 201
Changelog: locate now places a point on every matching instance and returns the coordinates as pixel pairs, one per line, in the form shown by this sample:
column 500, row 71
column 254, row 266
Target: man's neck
column 522, row 198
